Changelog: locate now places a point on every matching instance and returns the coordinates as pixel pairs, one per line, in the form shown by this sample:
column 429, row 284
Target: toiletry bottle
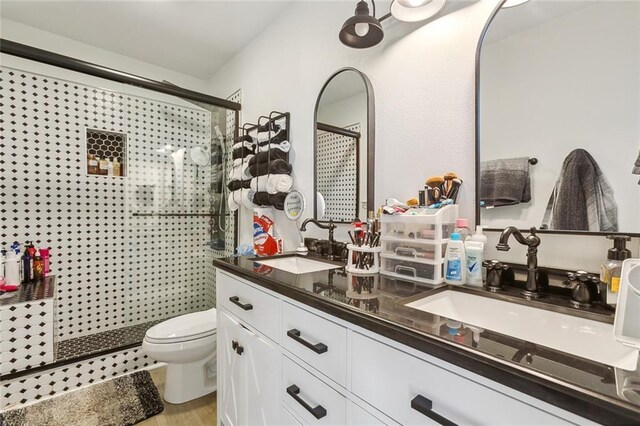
column 12, row 275
column 110, row 168
column 38, row 267
column 27, row 264
column 116, row 167
column 92, row 164
column 479, row 236
column 15, row 247
column 611, row 269
column 462, row 228
column 474, row 252
column 3, row 257
column 103, row 165
column 455, row 261
column 44, row 254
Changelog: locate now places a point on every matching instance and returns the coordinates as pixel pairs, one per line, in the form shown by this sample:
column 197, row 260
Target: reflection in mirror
column 343, row 147
column 558, row 134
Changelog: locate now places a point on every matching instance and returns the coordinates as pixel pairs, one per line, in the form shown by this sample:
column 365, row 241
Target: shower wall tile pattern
column 55, row 382
column 114, row 269
column 338, row 174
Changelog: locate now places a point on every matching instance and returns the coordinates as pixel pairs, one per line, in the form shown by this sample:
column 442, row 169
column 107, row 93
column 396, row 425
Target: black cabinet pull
column 234, row 345
column 239, row 350
column 318, row 348
column 236, row 301
column 317, row 412
column 424, row 406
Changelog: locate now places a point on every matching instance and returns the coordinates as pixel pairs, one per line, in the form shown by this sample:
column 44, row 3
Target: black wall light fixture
column 362, row 30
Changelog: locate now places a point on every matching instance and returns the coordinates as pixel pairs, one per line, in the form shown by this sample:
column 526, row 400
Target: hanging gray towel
column 636, row 168
column 582, row 199
column 505, row 182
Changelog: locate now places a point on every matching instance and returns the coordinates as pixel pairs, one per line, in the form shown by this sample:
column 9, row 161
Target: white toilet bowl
column 187, row 344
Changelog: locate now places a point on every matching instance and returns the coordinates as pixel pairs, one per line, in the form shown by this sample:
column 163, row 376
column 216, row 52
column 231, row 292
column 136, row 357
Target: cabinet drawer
column 360, row 417
column 257, row 308
column 312, row 400
column 396, row 382
column 319, row 342
column 287, row 419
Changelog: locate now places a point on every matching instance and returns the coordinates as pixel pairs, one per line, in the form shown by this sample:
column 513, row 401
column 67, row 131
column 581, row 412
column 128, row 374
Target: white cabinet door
column 231, row 372
column 263, row 379
column 360, row 417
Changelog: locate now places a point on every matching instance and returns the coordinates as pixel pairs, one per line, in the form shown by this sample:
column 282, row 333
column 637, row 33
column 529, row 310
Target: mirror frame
column 477, row 148
column 371, row 130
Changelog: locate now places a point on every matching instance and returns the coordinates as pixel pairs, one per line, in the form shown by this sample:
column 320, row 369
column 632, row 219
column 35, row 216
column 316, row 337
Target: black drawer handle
column 236, row 301
column 236, row 347
column 424, row 406
column 317, row 412
column 318, row 348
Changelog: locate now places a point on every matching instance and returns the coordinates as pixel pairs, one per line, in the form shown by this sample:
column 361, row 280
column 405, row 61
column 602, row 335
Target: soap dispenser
column 611, row 269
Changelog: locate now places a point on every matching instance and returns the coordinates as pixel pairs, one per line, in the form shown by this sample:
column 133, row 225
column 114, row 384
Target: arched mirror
column 558, row 108
column 344, row 148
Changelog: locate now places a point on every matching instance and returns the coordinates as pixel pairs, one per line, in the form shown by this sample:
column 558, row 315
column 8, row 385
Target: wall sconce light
column 362, row 30
column 416, row 10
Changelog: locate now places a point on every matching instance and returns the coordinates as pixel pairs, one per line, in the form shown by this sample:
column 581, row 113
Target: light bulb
column 362, row 29
column 413, row 3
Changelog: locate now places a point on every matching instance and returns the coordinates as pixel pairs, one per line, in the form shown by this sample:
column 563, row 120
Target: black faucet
column 532, row 289
column 330, row 226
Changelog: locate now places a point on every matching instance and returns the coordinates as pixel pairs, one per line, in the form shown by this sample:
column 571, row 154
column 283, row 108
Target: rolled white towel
column 240, row 172
column 259, row 184
column 247, row 198
column 239, row 161
column 234, row 199
column 284, row 146
column 243, row 143
column 279, row 183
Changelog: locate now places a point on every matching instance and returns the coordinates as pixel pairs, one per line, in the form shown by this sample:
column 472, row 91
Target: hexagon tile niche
column 102, row 144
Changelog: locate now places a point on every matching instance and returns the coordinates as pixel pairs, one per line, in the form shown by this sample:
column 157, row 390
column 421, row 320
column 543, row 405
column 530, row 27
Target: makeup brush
column 433, row 188
column 448, row 178
column 455, row 189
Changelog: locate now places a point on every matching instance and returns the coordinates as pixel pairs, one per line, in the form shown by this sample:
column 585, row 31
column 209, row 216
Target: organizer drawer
column 257, row 308
column 417, row 231
column 317, row 341
column 411, row 270
column 411, row 390
column 413, row 250
column 312, row 400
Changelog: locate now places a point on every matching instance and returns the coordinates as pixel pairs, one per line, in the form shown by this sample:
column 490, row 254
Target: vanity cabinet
column 318, row 369
column 249, row 373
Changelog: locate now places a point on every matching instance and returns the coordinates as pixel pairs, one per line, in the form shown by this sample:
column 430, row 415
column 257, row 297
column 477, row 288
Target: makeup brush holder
column 363, row 260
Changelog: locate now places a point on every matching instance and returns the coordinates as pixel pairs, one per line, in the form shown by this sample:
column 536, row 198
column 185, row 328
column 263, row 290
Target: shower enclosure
column 132, row 243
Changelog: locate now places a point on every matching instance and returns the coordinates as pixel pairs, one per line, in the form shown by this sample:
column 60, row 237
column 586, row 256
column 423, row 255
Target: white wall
column 424, row 88
column 569, row 83
column 423, row 83
column 35, row 37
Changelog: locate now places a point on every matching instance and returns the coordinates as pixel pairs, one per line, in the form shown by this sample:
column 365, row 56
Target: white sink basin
column 578, row 336
column 297, row 265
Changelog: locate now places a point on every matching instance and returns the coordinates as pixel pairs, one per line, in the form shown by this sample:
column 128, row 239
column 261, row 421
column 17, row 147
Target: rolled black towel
column 261, row 199
column 277, row 200
column 242, row 152
column 235, row 185
column 244, row 138
column 264, row 157
column 277, row 167
column 275, row 138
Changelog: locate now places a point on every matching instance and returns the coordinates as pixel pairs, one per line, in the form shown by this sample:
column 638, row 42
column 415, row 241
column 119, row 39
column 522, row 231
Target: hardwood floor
column 199, row 412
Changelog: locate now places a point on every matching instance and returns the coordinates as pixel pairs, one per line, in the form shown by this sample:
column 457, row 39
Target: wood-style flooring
column 199, row 412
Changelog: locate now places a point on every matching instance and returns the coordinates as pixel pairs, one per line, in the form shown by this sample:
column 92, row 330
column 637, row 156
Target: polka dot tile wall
column 337, row 172
column 114, row 268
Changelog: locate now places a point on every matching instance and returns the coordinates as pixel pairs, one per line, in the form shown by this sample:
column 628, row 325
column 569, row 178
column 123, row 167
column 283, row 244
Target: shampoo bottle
column 474, row 252
column 479, row 236
column 12, row 274
column 455, row 261
column 611, row 269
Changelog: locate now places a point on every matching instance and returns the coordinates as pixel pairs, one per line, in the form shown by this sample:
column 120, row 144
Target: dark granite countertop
column 592, row 390
column 35, row 290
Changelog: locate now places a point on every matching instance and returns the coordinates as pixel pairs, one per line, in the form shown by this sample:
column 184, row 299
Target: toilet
column 187, row 344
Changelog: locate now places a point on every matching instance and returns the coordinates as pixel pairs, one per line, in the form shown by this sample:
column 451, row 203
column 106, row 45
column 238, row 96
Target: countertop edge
column 581, row 402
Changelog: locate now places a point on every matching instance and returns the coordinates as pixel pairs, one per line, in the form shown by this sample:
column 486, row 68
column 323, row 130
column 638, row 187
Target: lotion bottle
column 474, row 252
column 12, row 274
column 611, row 269
column 455, row 261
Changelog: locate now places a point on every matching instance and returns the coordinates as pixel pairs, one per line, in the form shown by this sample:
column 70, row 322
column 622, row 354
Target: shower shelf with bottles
column 105, row 153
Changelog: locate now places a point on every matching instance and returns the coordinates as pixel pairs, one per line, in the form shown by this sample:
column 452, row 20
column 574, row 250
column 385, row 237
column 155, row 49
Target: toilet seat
column 197, row 325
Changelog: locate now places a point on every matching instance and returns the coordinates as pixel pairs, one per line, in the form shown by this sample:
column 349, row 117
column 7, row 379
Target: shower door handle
column 236, row 301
